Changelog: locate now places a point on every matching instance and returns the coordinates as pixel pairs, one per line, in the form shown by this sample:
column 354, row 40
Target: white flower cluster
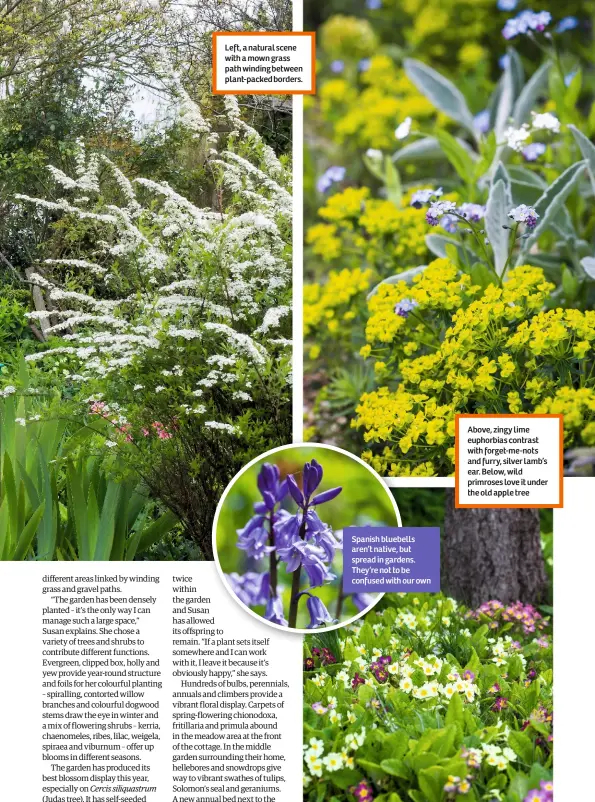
column 172, row 273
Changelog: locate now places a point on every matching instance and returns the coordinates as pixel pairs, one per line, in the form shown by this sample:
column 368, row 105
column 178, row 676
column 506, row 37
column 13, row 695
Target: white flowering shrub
column 174, row 327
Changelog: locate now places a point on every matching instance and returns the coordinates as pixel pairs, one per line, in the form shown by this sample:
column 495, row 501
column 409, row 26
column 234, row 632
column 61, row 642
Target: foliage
column 57, row 503
column 502, row 198
column 170, row 321
column 427, row 701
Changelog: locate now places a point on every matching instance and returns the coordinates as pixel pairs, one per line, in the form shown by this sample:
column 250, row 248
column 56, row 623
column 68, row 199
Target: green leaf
column 406, row 275
column 457, row 155
column 505, row 103
column 588, row 265
column 10, row 494
column 522, row 745
column 573, row 91
column 552, row 200
column 392, row 182
column 570, row 284
column 107, row 522
column 431, row 785
column 497, row 222
column 426, row 149
column 517, row 71
column 78, row 508
column 92, row 521
column 156, row 530
column 28, row 534
column 345, row 778
column 395, row 768
column 454, row 714
column 373, row 770
column 438, row 244
column 443, row 94
column 530, row 94
column 588, row 150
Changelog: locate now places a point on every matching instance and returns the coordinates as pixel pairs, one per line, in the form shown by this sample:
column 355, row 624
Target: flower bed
column 429, row 702
column 452, row 257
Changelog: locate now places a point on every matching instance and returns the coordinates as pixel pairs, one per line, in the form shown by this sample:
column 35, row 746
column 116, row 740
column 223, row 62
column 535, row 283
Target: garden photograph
column 145, row 276
column 449, row 225
column 446, row 696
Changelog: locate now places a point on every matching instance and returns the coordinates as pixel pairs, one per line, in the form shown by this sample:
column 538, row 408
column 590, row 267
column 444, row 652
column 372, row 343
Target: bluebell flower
column 507, row 5
column 274, row 612
column 330, row 176
column 319, row 615
column 481, row 122
column 312, row 476
column 337, row 66
column 504, row 61
column 362, row 600
column 252, row 588
column 310, row 558
column 253, row 538
column 373, row 5
column 364, row 64
column 533, row 151
column 404, row 307
column 567, row 24
column 271, row 488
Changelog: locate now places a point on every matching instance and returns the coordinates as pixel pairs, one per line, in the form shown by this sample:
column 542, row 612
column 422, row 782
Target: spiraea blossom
column 296, row 544
column 177, row 281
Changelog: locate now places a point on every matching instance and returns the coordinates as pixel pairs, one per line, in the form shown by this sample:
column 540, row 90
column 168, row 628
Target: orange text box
column 509, row 461
column 264, row 63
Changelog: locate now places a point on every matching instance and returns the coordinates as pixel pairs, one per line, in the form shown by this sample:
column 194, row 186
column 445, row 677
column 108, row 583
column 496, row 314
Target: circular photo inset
column 278, row 533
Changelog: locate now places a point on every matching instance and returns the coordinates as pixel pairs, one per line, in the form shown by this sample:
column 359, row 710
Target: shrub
column 174, row 327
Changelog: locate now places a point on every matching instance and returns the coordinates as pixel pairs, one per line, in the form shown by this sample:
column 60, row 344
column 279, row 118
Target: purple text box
column 390, row 559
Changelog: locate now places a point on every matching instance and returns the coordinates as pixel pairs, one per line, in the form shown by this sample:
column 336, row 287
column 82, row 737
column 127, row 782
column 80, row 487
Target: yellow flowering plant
column 446, row 346
column 456, row 272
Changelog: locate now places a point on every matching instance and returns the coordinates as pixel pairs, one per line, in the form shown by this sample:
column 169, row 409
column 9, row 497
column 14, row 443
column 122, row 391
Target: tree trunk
column 492, row 554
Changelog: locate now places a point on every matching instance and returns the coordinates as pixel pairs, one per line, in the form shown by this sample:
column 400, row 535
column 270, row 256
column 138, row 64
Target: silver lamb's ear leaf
column 501, row 174
column 588, row 265
column 552, row 200
column 498, row 206
column 505, row 103
column 588, row 151
column 531, row 91
column 437, row 244
column 419, row 150
column 406, row 275
column 517, row 71
column 443, row 94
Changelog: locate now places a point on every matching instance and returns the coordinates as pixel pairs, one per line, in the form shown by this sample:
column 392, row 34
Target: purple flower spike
column 295, row 492
column 362, row 600
column 251, row 588
column 326, row 495
column 274, row 612
column 312, row 477
column 319, row 615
